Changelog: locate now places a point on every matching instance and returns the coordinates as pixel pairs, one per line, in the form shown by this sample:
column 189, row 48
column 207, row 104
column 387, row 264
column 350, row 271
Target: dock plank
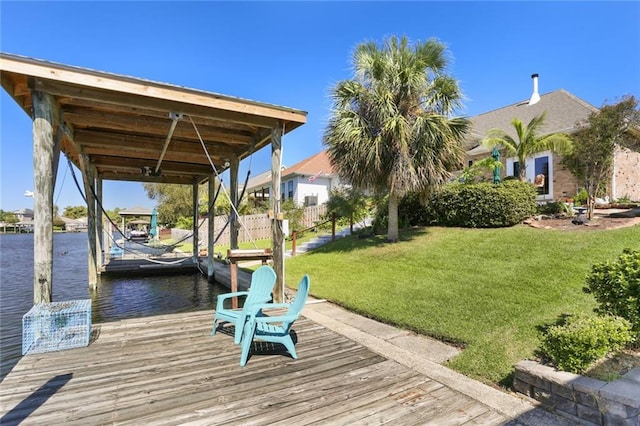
column 169, row 370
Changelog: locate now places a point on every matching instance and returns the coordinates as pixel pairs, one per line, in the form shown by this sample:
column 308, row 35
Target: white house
column 307, row 183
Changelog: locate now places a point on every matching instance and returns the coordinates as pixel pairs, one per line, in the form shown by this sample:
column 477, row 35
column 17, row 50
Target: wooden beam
column 209, row 107
column 135, row 177
column 100, row 226
column 88, row 177
column 74, row 104
column 126, row 163
column 152, row 126
column 195, row 222
column 277, row 235
column 233, row 194
column 43, row 154
column 117, row 141
column 210, row 229
column 143, row 88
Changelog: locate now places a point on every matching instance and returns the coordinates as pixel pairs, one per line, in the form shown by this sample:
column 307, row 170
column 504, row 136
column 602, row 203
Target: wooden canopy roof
column 129, row 127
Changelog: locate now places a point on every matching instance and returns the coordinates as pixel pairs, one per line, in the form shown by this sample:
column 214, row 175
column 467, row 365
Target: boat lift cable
column 220, row 180
column 164, row 247
column 62, row 183
column 75, row 179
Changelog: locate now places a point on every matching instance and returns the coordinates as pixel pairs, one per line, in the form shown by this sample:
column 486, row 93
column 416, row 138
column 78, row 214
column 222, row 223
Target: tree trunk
column 392, row 228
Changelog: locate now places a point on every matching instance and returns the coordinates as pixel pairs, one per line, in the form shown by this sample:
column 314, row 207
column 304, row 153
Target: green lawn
column 187, row 246
column 489, row 289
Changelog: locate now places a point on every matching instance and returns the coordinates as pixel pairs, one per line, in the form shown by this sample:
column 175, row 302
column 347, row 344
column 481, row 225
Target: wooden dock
column 169, row 370
column 176, row 265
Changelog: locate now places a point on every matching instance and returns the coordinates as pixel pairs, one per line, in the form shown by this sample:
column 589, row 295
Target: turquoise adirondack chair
column 262, row 281
column 274, row 329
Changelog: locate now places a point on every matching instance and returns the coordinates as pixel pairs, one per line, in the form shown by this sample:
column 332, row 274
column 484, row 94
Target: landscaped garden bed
column 581, row 398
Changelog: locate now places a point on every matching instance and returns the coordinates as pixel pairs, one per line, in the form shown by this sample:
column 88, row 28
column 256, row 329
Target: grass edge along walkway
column 490, row 290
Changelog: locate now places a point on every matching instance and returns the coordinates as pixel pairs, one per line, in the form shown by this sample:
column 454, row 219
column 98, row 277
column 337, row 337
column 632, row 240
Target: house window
column 290, row 184
column 541, row 165
column 282, row 191
column 310, row 200
column 470, row 163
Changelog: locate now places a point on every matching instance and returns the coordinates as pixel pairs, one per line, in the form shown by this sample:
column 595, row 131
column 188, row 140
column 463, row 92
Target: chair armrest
column 237, row 293
column 226, row 296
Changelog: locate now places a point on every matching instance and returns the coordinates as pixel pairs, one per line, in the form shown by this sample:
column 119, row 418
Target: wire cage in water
column 55, row 326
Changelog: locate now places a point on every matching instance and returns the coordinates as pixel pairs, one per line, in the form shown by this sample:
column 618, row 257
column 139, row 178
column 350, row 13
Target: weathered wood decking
column 170, row 370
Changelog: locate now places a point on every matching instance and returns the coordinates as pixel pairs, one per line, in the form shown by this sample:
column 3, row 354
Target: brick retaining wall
column 582, row 399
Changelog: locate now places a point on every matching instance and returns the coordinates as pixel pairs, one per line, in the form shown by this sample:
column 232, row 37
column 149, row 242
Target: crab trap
column 56, row 326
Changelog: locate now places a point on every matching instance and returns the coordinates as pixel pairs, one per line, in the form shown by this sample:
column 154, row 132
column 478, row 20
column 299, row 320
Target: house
column 564, row 113
column 24, row 215
column 75, row 225
column 307, row 183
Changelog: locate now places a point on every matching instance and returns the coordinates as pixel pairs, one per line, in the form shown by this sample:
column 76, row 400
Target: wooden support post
column 99, row 227
column 210, row 232
column 293, row 243
column 233, row 272
column 59, row 134
column 236, row 255
column 89, row 184
column 233, row 194
column 333, row 226
column 43, row 154
column 277, row 236
column 195, row 223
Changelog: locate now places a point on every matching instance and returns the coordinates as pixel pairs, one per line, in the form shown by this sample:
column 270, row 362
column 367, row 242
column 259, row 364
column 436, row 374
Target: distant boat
column 138, row 235
column 138, row 230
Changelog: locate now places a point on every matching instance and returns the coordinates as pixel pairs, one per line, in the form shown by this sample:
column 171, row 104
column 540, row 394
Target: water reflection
column 128, row 297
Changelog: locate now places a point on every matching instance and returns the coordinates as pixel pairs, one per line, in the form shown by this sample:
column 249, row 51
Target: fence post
column 293, row 243
column 333, row 226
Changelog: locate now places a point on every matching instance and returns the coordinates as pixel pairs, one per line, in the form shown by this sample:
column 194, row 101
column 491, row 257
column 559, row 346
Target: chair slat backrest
column 301, row 297
column 262, row 281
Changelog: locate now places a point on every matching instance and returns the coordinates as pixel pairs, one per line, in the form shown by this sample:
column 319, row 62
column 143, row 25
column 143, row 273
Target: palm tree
column 529, row 141
column 390, row 128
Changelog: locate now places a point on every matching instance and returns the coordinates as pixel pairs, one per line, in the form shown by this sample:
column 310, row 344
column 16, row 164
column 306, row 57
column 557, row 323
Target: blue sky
column 292, row 53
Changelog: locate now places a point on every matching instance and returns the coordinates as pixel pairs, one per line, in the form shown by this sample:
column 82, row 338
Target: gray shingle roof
column 564, row 111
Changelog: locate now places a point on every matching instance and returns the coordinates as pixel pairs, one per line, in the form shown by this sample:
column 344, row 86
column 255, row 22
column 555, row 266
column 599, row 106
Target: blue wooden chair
column 262, row 281
column 274, row 329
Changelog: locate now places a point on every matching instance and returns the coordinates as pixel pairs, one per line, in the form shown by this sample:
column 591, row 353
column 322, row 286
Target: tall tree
column 75, row 212
column 596, row 142
column 391, row 128
column 176, row 201
column 349, row 203
column 529, row 141
column 8, row 217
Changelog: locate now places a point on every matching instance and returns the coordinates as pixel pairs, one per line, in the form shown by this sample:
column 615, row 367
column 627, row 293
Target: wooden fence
column 252, row 227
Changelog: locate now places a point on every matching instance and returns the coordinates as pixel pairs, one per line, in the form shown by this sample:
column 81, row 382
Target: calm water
column 116, row 297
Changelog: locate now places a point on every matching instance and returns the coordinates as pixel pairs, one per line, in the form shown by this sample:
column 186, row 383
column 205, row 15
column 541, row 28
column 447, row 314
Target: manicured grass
column 489, row 289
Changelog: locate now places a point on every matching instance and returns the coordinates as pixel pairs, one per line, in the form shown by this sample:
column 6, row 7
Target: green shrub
column 616, row 287
column 582, row 340
column 554, row 207
column 581, row 197
column 482, row 205
column 476, row 205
